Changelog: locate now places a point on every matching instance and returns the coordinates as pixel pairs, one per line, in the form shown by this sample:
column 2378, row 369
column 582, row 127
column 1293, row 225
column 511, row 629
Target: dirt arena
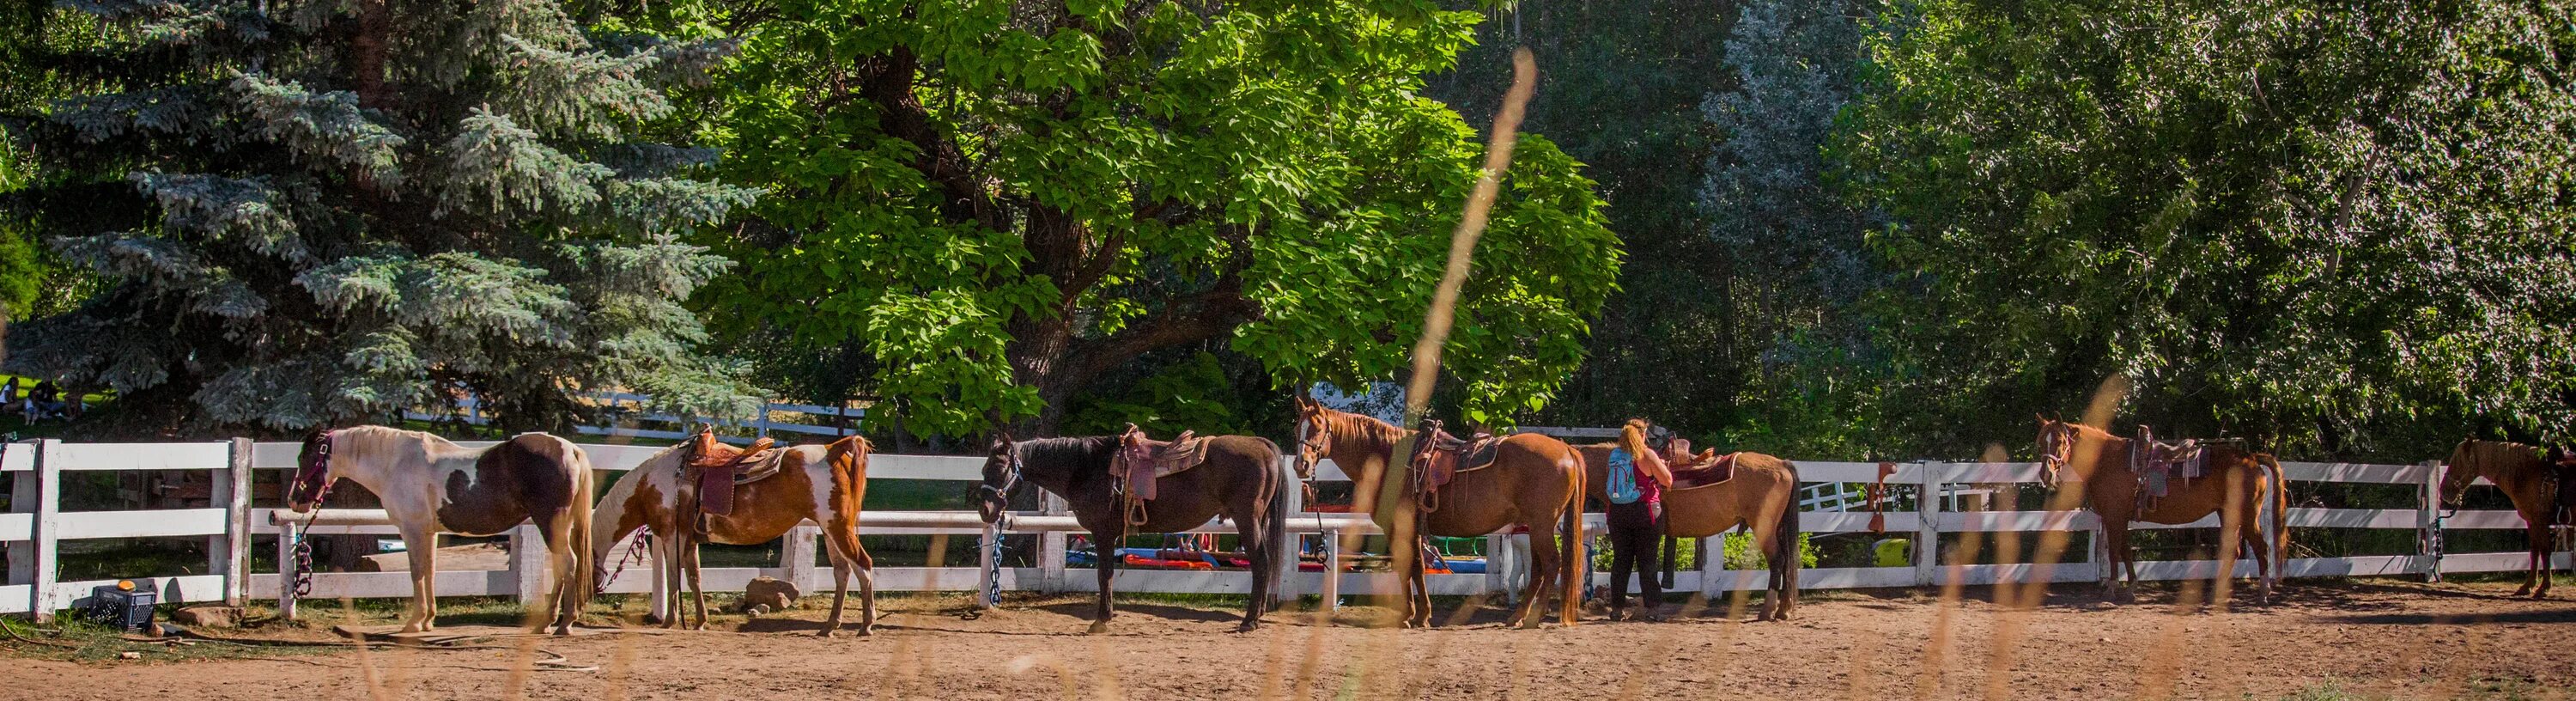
column 2322, row 641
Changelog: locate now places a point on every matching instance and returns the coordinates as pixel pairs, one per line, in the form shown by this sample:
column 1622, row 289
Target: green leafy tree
column 1003, row 202
column 2327, row 225
column 1620, row 85
column 317, row 212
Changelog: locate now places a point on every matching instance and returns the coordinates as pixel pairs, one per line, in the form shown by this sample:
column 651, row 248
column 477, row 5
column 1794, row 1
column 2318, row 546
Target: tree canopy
column 2322, row 224
column 1000, row 203
column 315, row 212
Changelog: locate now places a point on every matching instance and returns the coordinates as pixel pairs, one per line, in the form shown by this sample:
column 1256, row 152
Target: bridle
column 1312, row 441
column 2051, row 461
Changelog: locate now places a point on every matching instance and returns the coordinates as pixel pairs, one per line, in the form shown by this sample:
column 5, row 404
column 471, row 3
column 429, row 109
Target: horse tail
column 2277, row 523
column 1274, row 532
column 1785, row 553
column 1570, row 570
column 848, row 458
column 584, row 578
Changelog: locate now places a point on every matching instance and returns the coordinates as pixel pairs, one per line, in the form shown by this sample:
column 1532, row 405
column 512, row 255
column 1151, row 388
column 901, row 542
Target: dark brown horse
column 1756, row 491
column 1240, row 479
column 1535, row 482
column 2243, row 488
column 2537, row 484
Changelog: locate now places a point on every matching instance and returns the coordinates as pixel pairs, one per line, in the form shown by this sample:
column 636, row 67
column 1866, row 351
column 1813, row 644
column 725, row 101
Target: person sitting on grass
column 43, row 402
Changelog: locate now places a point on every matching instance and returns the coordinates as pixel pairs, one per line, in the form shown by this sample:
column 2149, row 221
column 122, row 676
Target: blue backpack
column 1622, row 485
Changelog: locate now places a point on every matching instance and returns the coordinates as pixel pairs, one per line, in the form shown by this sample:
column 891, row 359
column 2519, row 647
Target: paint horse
column 2243, row 488
column 1189, row 482
column 771, row 492
column 430, row 486
column 1713, row 494
column 1534, row 482
column 2541, row 487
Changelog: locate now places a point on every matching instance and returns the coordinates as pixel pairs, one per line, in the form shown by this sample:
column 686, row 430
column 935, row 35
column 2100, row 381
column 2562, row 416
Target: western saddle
column 2158, row 463
column 1142, row 461
column 1438, row 458
column 716, row 468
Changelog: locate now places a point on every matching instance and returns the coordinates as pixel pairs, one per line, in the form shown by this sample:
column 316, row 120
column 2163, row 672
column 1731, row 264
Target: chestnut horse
column 431, row 486
column 2535, row 484
column 1535, row 482
column 1760, row 494
column 1240, row 478
column 2239, row 485
column 818, row 483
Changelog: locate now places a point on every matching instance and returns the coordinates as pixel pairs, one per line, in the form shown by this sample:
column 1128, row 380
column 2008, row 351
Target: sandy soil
column 2376, row 639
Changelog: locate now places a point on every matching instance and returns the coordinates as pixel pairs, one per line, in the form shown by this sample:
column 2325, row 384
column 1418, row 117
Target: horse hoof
column 1098, row 627
column 1247, row 626
column 865, row 631
column 824, row 633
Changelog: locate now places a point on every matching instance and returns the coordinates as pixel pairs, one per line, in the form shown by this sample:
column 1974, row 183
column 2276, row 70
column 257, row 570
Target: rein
column 634, row 555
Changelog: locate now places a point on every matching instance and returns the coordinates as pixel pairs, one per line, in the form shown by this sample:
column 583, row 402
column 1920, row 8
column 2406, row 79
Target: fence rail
column 34, row 529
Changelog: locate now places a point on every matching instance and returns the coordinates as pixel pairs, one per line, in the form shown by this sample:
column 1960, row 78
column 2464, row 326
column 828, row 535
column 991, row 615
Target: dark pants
column 1636, row 530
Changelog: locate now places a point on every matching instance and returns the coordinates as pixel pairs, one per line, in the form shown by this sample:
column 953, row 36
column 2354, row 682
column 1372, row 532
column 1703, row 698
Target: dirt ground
column 2320, row 641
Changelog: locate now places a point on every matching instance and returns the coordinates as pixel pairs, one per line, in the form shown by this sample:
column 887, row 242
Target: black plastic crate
column 129, row 610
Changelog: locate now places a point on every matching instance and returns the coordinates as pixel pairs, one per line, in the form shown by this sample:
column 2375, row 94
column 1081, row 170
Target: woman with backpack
column 1635, row 487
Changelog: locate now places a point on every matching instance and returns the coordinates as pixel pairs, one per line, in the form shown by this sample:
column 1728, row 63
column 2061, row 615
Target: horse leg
column 2117, row 548
column 697, row 587
column 422, row 549
column 1107, row 545
column 1534, row 587
column 563, row 559
column 1256, row 536
column 1417, row 601
column 840, row 580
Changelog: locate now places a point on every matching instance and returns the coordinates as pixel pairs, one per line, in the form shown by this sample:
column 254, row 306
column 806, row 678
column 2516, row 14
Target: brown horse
column 1760, row 493
column 1535, row 482
column 2536, row 485
column 2240, row 486
column 824, row 484
column 431, row 486
column 1239, row 477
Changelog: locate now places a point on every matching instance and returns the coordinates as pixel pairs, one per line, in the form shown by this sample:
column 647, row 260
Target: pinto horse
column 1239, row 478
column 2539, row 487
column 819, row 483
column 2243, row 488
column 431, row 486
column 1535, row 482
column 1760, row 493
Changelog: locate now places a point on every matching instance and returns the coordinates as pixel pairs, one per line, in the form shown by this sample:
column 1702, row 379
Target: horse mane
column 1075, row 452
column 2084, row 431
column 1341, row 422
column 2494, row 458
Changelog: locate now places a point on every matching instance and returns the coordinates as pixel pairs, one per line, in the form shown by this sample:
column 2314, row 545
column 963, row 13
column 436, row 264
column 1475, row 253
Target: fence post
column 663, row 601
column 49, row 508
column 527, row 563
column 1332, row 589
column 230, row 553
column 1285, row 544
column 2428, row 522
column 796, row 556
column 1052, row 544
column 24, row 495
column 286, row 540
column 1927, row 511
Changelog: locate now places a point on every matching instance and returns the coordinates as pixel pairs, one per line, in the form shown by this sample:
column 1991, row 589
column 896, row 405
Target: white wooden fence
column 34, row 527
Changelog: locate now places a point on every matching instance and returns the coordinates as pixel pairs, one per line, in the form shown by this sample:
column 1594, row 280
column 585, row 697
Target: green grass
column 72, row 639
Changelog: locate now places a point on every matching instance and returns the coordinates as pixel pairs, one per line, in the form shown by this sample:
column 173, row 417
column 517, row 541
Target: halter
column 1010, row 474
column 315, row 475
column 2049, row 462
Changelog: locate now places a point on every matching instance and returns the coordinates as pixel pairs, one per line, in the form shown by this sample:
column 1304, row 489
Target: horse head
column 1314, row 436
column 1001, row 473
column 313, row 474
column 2463, row 468
column 2056, row 451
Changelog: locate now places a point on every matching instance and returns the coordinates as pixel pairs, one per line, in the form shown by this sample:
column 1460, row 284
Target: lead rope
column 304, row 544
column 634, row 554
column 991, row 595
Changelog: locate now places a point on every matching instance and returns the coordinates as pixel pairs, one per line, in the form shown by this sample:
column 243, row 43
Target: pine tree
column 319, row 212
